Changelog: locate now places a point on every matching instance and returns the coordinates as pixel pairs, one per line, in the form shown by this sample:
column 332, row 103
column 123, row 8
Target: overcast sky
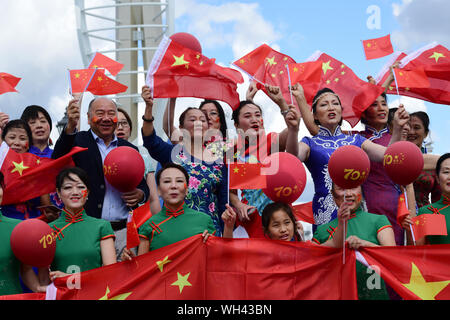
column 39, row 43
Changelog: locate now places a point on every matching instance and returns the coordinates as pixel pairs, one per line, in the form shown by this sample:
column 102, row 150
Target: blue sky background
column 298, row 28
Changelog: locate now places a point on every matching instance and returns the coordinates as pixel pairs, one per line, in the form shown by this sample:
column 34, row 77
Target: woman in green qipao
column 443, row 205
column 82, row 242
column 176, row 221
column 363, row 230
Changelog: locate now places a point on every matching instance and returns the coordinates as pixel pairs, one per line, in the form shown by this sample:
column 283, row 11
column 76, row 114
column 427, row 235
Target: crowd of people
column 189, row 193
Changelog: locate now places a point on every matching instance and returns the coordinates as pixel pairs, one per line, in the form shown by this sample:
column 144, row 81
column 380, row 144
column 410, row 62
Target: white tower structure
column 128, row 31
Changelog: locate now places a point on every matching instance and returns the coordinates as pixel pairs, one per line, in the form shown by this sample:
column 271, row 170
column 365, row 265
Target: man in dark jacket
column 104, row 200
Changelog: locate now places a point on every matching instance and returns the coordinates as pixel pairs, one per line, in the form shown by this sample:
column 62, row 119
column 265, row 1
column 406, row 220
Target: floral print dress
column 208, row 184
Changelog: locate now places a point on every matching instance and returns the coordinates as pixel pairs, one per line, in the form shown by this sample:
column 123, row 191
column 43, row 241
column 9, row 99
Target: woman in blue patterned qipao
column 316, row 151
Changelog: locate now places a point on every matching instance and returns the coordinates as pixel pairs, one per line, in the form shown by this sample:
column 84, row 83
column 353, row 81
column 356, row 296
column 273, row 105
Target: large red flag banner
column 222, row 269
column 355, row 94
column 177, row 71
column 435, row 61
column 414, row 272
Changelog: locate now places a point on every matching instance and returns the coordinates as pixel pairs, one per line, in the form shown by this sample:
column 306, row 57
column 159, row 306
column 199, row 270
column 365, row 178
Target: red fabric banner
column 414, row 272
column 223, row 269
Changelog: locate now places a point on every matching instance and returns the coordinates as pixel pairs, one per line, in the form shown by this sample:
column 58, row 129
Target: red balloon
column 288, row 182
column 403, row 162
column 187, row 40
column 124, row 168
column 33, row 242
column 349, row 166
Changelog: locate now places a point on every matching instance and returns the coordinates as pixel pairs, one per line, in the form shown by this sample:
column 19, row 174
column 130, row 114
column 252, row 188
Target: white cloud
column 235, row 24
column 421, row 22
column 411, row 104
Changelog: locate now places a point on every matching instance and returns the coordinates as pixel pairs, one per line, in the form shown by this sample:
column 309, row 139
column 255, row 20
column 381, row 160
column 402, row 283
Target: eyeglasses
column 124, row 124
column 212, row 114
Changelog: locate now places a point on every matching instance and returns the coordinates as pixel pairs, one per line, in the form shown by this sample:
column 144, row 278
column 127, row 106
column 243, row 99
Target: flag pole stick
column 228, row 179
column 290, row 84
column 406, row 201
column 344, row 232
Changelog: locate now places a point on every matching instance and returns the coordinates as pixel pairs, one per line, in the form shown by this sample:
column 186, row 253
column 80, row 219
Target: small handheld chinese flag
column 8, row 82
column 247, row 176
column 416, row 78
column 102, row 61
column 102, row 85
column 378, row 47
column 429, row 224
column 135, row 220
column 402, row 209
column 304, row 212
column 79, row 79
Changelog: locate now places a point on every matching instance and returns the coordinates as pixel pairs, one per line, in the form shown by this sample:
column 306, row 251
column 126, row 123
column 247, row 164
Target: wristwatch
column 148, row 120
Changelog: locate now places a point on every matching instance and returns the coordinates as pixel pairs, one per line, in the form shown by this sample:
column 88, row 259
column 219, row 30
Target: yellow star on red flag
column 19, row 167
column 182, row 281
column 179, row 61
column 163, row 262
column 122, row 296
column 425, row 290
column 436, row 56
column 326, row 66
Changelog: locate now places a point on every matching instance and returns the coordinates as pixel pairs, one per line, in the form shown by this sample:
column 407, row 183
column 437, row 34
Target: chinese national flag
column 135, row 220
column 414, row 272
column 79, row 79
column 28, row 176
column 101, row 84
column 304, row 212
column 268, row 67
column 255, row 269
column 247, row 176
column 8, row 82
column 435, row 61
column 402, row 209
column 104, row 62
column 177, row 71
column 309, row 75
column 429, row 225
column 378, row 48
column 412, row 78
column 355, row 94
